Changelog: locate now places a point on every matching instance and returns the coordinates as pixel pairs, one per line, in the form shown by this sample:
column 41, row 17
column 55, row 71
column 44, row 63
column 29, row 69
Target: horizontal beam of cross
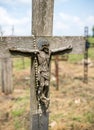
column 26, row 43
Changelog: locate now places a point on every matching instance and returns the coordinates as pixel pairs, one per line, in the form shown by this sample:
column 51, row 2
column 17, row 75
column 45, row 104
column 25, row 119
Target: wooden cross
column 42, row 22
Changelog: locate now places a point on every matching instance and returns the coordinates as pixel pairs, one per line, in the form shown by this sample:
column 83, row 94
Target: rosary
column 36, row 75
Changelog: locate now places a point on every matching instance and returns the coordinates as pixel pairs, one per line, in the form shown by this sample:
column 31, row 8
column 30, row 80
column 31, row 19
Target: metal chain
column 35, row 65
column 36, row 81
column 36, row 74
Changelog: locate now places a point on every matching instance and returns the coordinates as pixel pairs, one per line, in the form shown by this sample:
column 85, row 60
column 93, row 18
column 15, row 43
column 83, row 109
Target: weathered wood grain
column 42, row 17
column 6, row 68
column 77, row 42
column 25, row 44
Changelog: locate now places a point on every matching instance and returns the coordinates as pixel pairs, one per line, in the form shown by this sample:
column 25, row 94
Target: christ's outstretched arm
column 25, row 51
column 62, row 50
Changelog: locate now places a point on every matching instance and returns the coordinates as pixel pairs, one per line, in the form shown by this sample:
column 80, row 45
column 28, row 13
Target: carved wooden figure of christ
column 42, row 54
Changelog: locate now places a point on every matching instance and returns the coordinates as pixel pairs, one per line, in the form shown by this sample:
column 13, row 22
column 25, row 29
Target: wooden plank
column 16, row 42
column 6, row 69
column 78, row 43
column 42, row 17
column 26, row 43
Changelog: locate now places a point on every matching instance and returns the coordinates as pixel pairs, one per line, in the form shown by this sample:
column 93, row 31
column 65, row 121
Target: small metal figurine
column 43, row 56
column 43, row 59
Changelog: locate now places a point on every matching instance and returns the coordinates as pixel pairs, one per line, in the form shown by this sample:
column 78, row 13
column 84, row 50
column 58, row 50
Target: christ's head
column 43, row 45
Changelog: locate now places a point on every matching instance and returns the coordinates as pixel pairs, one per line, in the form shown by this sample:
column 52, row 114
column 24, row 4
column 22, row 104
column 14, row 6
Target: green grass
column 91, row 53
column 91, row 40
column 89, row 117
column 73, row 58
column 57, row 117
column 17, row 124
column 21, row 63
column 76, row 118
column 18, row 112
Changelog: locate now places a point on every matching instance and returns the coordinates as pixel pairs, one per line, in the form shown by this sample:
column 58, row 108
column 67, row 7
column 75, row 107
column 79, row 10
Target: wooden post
column 0, row 75
column 86, row 66
column 42, row 25
column 86, row 56
column 6, row 74
column 56, row 72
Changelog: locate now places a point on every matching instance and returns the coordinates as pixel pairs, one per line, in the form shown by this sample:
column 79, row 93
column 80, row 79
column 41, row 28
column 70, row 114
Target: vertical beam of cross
column 42, row 17
column 42, row 25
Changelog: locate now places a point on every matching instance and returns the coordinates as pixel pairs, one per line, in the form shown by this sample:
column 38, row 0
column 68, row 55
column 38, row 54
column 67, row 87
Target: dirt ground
column 71, row 108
